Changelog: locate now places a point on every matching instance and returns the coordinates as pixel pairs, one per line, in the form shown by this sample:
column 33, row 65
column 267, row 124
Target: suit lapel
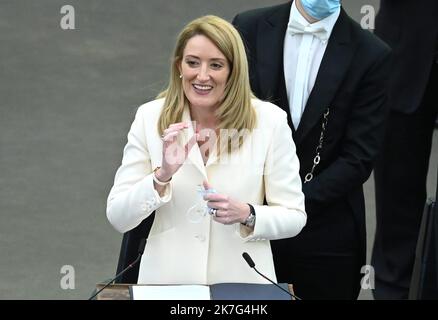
column 332, row 70
column 194, row 157
column 270, row 44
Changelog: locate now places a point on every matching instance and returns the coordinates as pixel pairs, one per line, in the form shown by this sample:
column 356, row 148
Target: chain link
column 317, row 158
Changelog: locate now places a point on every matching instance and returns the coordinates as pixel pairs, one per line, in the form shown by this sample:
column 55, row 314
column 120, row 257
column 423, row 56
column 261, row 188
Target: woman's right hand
column 174, row 155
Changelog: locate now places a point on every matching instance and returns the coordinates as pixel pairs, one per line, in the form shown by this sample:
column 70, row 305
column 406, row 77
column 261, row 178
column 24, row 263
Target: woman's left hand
column 229, row 211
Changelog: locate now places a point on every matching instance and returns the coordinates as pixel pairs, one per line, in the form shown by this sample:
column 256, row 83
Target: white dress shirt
column 303, row 53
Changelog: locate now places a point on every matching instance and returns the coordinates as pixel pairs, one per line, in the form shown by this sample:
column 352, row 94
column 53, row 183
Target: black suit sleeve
column 362, row 139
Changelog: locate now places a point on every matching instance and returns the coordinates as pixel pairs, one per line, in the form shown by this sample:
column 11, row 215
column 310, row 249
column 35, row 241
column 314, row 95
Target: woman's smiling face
column 205, row 71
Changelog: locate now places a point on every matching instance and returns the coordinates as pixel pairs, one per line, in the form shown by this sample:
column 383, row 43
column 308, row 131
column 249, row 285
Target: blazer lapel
column 270, row 50
column 333, row 68
column 194, row 157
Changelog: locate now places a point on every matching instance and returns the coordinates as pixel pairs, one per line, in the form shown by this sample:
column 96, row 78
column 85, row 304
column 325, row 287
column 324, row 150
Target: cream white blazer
column 179, row 251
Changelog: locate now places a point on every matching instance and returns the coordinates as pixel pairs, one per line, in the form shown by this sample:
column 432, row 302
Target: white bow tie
column 295, row 27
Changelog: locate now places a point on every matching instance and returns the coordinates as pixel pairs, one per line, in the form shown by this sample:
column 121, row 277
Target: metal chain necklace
column 317, row 158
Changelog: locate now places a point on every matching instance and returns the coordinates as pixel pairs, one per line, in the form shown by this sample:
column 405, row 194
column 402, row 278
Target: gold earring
column 180, row 76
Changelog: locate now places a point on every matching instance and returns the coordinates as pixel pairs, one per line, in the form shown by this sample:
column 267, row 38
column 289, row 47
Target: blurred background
column 67, row 99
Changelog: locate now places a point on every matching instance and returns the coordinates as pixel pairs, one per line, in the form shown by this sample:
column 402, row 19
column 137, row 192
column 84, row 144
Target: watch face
column 250, row 221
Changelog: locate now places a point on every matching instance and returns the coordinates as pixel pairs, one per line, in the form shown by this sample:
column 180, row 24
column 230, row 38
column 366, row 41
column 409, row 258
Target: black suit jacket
column 352, row 82
column 410, row 28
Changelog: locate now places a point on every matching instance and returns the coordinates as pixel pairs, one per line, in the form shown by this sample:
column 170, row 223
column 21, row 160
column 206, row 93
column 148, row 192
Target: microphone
column 248, row 260
column 251, row 263
column 140, row 253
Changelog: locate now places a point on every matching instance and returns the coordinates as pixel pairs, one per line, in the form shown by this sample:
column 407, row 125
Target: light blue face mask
column 320, row 9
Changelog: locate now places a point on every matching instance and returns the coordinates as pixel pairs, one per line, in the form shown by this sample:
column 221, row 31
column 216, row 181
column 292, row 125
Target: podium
column 222, row 291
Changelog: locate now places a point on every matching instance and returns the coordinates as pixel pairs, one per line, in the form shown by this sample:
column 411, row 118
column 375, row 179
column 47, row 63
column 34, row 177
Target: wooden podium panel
column 118, row 291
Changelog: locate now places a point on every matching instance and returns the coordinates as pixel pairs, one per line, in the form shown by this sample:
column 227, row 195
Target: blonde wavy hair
column 236, row 111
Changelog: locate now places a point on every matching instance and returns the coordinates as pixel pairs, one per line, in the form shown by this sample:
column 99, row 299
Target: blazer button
column 200, row 237
column 144, row 207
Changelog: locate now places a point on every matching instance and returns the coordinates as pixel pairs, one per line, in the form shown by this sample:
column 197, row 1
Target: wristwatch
column 250, row 221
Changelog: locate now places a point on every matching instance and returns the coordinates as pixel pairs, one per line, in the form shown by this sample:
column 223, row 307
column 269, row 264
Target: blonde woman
column 208, row 130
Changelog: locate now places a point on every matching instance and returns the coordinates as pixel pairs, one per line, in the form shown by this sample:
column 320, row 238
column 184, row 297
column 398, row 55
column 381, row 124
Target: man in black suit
column 411, row 29
column 330, row 76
